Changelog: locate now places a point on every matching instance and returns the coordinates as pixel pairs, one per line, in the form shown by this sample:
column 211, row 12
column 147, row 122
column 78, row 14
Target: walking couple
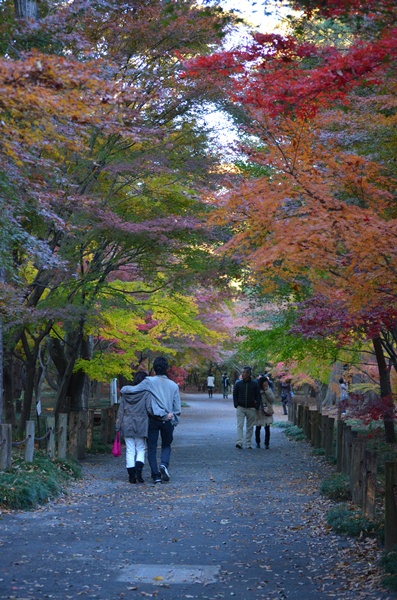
column 149, row 408
column 254, row 403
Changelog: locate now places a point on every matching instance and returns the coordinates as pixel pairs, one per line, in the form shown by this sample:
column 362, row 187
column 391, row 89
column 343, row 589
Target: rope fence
column 22, row 442
column 44, row 437
column 71, row 435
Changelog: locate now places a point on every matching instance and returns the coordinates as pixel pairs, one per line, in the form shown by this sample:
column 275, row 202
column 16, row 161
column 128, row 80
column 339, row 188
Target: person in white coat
column 133, row 422
column 210, row 384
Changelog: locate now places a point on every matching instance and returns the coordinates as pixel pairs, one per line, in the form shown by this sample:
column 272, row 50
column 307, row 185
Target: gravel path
column 230, row 523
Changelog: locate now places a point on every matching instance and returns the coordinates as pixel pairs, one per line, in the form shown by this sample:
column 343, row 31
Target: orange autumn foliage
column 321, row 215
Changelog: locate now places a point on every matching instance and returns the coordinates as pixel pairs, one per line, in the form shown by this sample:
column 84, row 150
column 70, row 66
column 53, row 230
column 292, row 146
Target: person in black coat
column 246, row 399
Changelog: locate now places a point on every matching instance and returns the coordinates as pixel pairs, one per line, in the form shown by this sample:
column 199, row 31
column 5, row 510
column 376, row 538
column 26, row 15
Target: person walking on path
column 163, row 417
column 343, row 396
column 246, row 399
column 133, row 422
column 285, row 395
column 210, row 384
column 225, row 385
column 264, row 416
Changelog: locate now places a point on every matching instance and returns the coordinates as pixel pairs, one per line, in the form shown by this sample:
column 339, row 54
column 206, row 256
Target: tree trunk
column 385, row 391
column 26, row 9
column 13, row 380
column 80, row 386
column 73, row 353
column 32, row 355
column 79, row 391
column 332, row 395
column 28, row 396
column 61, row 406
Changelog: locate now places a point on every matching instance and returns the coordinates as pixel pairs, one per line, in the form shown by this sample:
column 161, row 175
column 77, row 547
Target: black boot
column 139, row 467
column 131, row 474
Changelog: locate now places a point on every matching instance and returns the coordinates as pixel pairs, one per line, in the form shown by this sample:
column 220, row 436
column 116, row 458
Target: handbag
column 267, row 410
column 116, row 448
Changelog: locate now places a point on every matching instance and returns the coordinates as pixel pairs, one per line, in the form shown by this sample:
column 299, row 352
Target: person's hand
column 169, row 416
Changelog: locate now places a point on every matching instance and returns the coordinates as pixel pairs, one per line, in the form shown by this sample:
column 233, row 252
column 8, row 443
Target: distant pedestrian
column 264, row 415
column 285, row 395
column 133, row 422
column 246, row 399
column 225, row 385
column 343, row 395
column 164, row 416
column 210, row 384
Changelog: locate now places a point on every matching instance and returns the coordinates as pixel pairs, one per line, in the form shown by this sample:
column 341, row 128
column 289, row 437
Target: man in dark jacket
column 246, row 398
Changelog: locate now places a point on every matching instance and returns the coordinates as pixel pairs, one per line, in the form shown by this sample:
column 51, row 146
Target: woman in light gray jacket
column 133, row 422
column 265, row 420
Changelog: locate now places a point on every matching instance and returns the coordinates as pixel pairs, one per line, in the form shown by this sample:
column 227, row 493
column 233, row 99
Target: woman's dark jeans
column 258, row 434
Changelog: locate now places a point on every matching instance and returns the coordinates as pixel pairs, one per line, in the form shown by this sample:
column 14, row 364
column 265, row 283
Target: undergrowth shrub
column 347, row 520
column 318, row 452
column 294, row 432
column 336, row 487
column 27, row 485
column 388, row 562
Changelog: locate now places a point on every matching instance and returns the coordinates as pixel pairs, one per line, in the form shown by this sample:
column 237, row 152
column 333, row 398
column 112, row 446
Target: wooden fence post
column 73, row 424
column 300, row 415
column 104, row 425
column 304, row 413
column 306, row 421
column 369, row 493
column 5, row 446
column 323, row 425
column 357, row 471
column 349, row 435
column 330, row 422
column 90, row 428
column 344, row 442
column 50, row 430
column 313, row 420
column 82, row 434
column 318, row 431
column 295, row 413
column 29, row 444
column 62, row 435
column 290, row 410
column 339, row 444
column 391, row 506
